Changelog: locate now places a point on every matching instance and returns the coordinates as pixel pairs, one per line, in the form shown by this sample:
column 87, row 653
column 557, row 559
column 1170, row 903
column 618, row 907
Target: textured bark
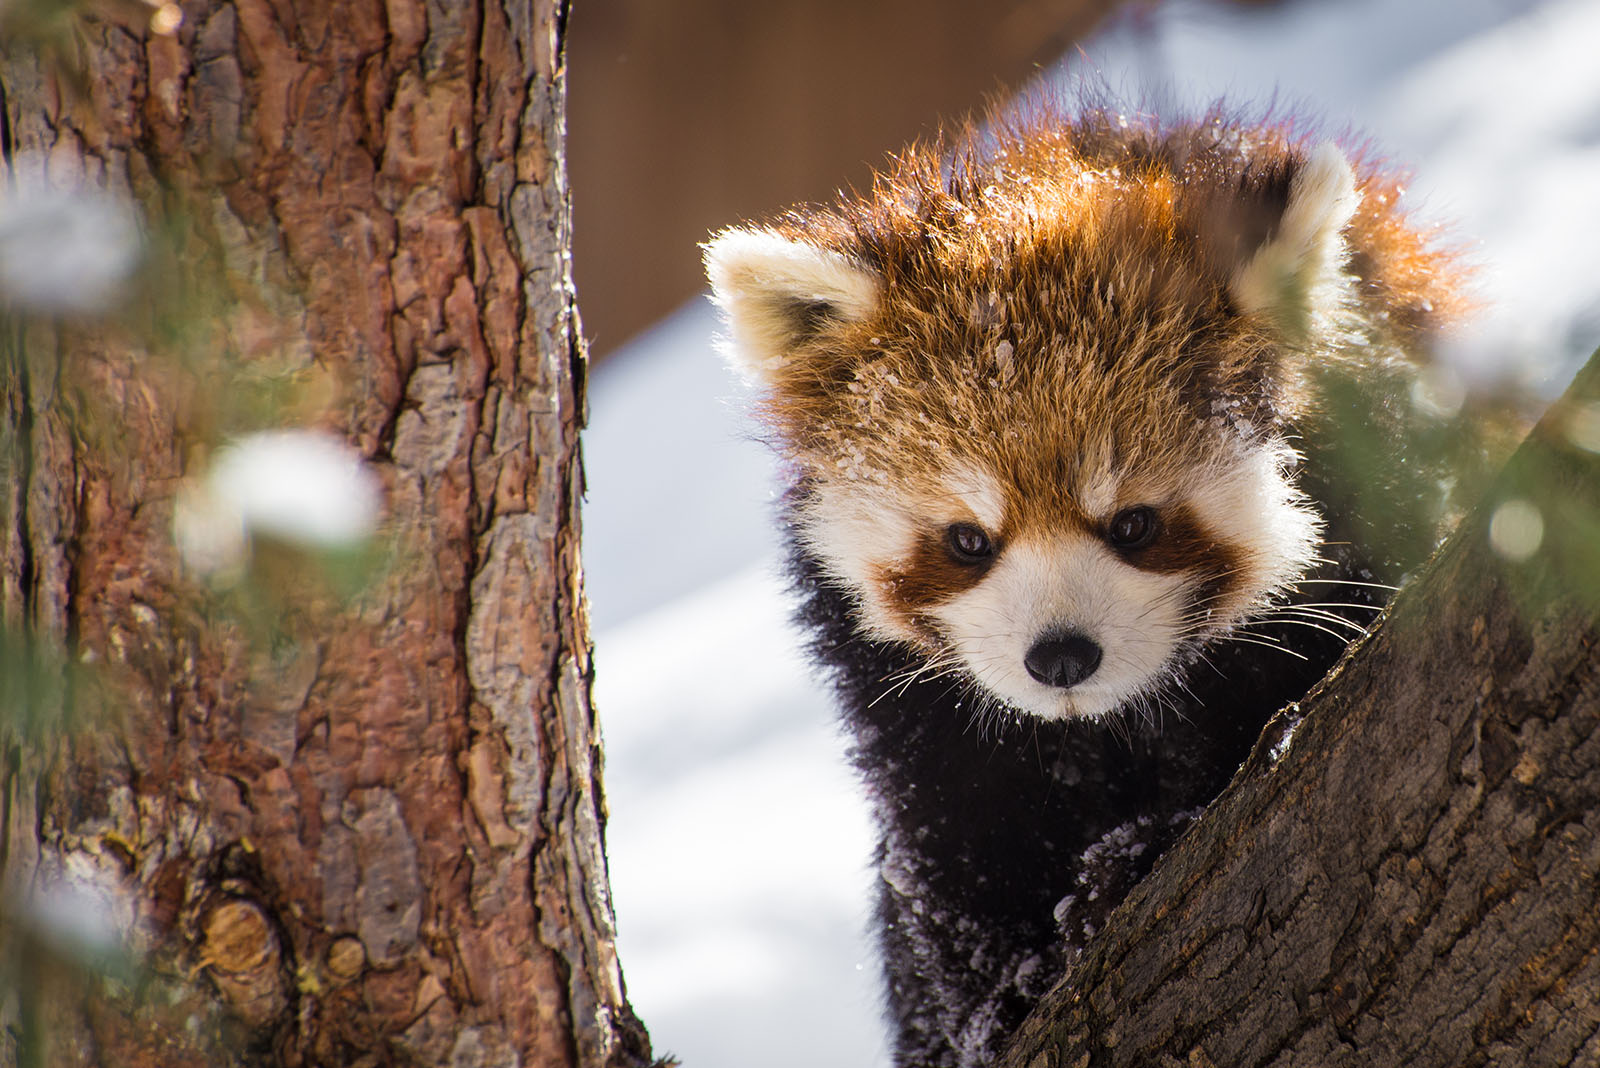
column 1410, row 873
column 376, row 839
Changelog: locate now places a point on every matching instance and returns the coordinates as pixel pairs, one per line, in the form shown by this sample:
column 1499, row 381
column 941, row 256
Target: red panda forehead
column 1058, row 322
column 1084, row 488
column 1036, row 409
column 1095, row 316
column 1012, row 467
column 1051, row 252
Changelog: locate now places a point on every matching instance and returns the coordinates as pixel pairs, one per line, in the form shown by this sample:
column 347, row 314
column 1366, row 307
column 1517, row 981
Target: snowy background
column 738, row 841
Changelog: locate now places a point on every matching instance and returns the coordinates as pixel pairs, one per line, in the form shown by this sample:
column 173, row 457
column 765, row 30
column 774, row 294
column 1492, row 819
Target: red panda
column 1061, row 514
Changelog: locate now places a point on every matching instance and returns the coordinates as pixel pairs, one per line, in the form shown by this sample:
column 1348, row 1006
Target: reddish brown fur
column 1406, row 274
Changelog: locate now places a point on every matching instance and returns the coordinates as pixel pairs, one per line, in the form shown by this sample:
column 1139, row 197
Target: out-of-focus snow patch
column 1506, row 128
column 738, row 842
column 79, row 902
column 680, row 493
column 302, row 486
column 166, row 18
column 785, row 852
column 732, row 647
column 1331, row 63
column 67, row 246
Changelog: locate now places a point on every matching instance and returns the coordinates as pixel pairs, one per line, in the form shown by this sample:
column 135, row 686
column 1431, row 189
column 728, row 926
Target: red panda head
column 1038, row 401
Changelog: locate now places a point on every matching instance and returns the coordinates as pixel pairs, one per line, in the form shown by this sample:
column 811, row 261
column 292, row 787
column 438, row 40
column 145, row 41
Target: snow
column 680, row 492
column 303, row 486
column 737, row 837
column 738, row 841
column 67, row 246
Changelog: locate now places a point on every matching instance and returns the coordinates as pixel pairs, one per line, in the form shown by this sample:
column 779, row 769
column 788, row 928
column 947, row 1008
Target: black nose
column 1062, row 659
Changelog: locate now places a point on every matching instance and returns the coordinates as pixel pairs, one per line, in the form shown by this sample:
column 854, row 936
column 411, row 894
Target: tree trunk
column 1409, row 872
column 366, row 832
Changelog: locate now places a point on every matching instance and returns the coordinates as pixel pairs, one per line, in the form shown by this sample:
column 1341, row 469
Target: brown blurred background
column 688, row 115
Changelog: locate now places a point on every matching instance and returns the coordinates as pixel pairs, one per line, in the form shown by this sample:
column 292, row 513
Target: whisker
column 1290, row 612
column 1290, row 621
column 1345, row 582
column 1265, row 643
column 935, row 667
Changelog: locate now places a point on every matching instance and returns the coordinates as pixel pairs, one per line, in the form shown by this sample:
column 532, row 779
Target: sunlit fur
column 1071, row 319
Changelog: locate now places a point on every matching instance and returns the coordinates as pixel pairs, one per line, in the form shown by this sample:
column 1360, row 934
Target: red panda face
column 1038, row 423
column 1074, row 605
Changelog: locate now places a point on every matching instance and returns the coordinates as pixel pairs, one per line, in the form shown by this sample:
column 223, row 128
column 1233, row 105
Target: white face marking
column 981, row 495
column 852, row 529
column 1249, row 501
column 1098, row 494
column 1070, row 582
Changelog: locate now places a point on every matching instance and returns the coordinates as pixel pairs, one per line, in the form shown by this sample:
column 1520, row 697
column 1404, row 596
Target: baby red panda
column 1061, row 515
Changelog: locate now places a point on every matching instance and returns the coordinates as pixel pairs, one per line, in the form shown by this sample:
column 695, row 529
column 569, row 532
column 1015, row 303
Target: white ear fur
column 1297, row 278
column 767, row 284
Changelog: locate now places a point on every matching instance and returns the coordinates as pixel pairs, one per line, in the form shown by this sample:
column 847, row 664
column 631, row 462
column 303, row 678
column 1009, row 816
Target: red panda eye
column 969, row 543
column 1132, row 528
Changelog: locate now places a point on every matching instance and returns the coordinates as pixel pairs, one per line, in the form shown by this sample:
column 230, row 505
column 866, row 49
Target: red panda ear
column 1296, row 279
column 777, row 291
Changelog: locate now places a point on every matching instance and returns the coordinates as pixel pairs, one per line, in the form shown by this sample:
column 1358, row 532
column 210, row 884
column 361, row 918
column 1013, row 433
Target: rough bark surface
column 1410, row 873
column 378, row 839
